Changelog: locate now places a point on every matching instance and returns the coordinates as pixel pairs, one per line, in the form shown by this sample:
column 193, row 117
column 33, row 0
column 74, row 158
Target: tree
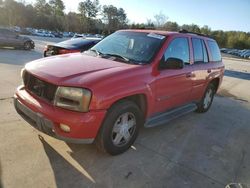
column 42, row 7
column 205, row 30
column 88, row 8
column 114, row 18
column 57, row 7
column 160, row 19
column 88, row 11
column 171, row 26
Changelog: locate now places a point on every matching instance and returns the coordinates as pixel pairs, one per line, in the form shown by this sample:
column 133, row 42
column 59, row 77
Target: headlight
column 22, row 73
column 76, row 99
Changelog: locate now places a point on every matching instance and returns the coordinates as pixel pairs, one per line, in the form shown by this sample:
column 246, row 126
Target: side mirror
column 172, row 63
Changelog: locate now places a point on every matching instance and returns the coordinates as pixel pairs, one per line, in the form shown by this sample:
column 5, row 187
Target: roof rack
column 186, row 31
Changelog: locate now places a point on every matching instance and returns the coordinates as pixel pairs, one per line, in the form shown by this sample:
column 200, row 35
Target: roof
column 168, row 33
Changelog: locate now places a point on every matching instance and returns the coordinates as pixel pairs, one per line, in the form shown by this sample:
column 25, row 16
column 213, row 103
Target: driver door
column 173, row 86
column 12, row 39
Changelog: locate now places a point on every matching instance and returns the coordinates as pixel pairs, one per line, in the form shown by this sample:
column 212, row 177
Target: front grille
column 39, row 87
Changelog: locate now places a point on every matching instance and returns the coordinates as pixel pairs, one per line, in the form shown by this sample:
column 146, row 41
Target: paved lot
column 198, row 150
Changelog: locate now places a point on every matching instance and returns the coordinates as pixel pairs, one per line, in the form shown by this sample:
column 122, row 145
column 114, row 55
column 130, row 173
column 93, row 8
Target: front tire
column 207, row 100
column 120, row 128
column 27, row 46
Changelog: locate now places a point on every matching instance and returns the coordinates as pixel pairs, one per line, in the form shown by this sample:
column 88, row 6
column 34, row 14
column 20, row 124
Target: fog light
column 65, row 128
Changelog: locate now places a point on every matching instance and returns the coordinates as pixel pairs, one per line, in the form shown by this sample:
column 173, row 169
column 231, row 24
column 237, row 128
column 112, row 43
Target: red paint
column 111, row 81
column 66, row 51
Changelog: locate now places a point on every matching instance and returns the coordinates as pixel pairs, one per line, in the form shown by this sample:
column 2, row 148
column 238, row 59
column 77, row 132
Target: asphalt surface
column 197, row 150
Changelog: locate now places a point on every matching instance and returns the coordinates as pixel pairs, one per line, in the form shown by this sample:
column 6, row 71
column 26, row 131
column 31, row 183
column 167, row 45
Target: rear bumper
column 47, row 119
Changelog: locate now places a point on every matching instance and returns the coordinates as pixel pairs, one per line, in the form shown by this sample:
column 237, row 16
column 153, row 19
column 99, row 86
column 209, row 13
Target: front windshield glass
column 137, row 47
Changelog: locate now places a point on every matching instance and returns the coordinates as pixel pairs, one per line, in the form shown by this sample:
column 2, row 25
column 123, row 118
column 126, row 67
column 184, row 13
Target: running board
column 170, row 115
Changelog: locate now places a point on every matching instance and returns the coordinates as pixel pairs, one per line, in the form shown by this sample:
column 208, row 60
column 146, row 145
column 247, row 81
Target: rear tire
column 207, row 100
column 120, row 128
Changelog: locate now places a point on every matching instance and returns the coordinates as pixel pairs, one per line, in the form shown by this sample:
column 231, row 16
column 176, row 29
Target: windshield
column 137, row 47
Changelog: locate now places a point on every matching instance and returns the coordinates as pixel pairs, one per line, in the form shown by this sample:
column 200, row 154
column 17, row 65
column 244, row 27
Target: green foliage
column 88, row 8
column 57, row 7
column 114, row 18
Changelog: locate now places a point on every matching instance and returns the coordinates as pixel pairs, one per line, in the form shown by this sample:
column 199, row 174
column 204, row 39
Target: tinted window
column 215, row 51
column 178, row 48
column 204, row 49
column 197, row 48
column 136, row 46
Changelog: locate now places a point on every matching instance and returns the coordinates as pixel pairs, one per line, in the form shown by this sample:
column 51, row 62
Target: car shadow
column 194, row 150
column 66, row 175
column 237, row 74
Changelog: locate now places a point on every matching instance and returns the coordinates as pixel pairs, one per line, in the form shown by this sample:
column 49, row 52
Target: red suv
column 132, row 78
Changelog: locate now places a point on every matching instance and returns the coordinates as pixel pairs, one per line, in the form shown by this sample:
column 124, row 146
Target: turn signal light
column 65, row 128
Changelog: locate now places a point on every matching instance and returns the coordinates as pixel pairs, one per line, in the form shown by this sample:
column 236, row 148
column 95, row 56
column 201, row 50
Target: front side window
column 138, row 47
column 178, row 48
column 215, row 51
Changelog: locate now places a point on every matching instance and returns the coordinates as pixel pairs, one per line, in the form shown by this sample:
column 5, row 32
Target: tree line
column 95, row 18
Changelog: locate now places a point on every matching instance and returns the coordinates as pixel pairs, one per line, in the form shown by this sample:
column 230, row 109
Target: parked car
column 68, row 34
column 70, row 46
column 130, row 79
column 57, row 34
column 76, row 35
column 9, row 38
column 24, row 31
column 246, row 55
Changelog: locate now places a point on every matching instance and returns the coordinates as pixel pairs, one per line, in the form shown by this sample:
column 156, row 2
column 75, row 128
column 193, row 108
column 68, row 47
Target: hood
column 72, row 68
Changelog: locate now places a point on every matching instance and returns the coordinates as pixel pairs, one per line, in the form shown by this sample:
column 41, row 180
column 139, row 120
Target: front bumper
column 47, row 118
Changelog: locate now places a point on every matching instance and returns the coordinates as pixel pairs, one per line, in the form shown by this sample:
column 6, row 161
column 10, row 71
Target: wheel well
column 139, row 100
column 215, row 82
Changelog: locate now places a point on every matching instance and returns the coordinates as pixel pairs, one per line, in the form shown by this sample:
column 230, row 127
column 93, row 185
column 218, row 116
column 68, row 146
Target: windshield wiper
column 117, row 55
column 96, row 51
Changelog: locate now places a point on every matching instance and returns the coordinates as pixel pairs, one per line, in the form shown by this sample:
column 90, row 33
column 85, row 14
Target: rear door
column 201, row 68
column 173, row 86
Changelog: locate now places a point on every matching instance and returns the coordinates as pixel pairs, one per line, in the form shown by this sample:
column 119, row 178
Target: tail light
column 66, row 51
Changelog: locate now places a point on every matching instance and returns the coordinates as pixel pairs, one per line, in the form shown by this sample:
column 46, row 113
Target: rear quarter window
column 215, row 51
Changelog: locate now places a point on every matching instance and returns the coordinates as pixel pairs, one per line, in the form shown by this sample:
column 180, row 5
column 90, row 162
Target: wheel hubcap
column 27, row 45
column 208, row 98
column 123, row 129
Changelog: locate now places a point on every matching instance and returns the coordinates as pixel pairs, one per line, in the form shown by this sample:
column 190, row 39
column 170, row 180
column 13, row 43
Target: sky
column 217, row 14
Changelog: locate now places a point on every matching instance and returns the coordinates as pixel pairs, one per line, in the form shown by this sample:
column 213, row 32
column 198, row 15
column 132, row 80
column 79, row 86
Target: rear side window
column 200, row 51
column 178, row 48
column 197, row 48
column 215, row 51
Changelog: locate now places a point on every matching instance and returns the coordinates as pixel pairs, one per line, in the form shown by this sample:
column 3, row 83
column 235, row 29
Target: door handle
column 209, row 71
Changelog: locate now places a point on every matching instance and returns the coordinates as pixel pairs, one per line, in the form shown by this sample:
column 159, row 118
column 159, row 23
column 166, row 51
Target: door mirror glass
column 172, row 63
